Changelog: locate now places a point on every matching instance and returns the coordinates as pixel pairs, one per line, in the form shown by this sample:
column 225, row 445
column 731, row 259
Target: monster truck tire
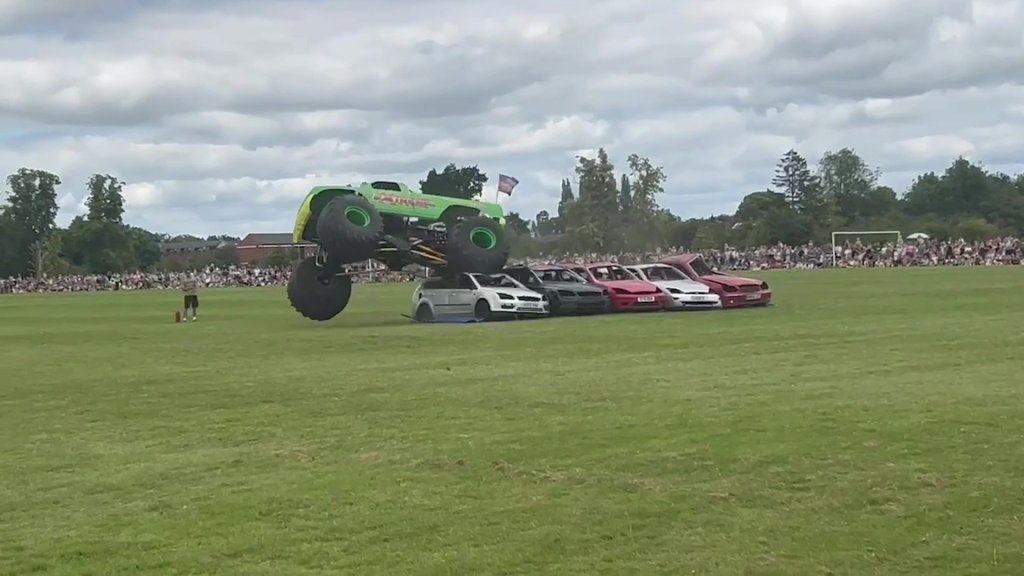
column 349, row 229
column 477, row 244
column 314, row 298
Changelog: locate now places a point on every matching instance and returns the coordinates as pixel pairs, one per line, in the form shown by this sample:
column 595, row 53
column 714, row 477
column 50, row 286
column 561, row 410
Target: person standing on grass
column 189, row 286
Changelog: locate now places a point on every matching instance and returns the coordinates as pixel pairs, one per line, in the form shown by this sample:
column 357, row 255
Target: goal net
column 859, row 235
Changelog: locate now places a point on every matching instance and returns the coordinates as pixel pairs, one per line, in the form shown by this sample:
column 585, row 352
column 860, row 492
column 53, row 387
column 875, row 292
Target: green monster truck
column 395, row 225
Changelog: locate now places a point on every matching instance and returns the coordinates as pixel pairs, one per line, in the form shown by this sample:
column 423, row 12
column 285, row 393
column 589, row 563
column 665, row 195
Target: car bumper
column 695, row 301
column 744, row 299
column 580, row 306
column 521, row 309
column 634, row 303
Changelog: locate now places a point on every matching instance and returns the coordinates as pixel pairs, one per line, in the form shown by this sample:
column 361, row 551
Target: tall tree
column 846, row 182
column 466, row 182
column 648, row 181
column 32, row 204
column 105, row 202
column 545, row 224
column 794, row 179
column 625, row 197
column 515, row 223
column 598, row 224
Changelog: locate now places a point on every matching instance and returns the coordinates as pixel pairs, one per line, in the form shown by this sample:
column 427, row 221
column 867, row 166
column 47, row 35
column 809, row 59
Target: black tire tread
column 314, row 300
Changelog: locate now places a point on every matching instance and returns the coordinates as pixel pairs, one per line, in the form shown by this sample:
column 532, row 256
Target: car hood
column 736, row 281
column 635, row 286
column 683, row 285
column 517, row 292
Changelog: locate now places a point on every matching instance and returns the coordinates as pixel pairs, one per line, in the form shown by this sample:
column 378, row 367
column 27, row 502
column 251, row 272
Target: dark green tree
column 32, row 205
column 105, row 202
column 466, row 182
column 515, row 223
column 794, row 180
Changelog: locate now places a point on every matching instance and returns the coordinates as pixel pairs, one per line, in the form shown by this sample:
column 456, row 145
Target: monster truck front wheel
column 314, row 296
column 349, row 228
column 477, row 244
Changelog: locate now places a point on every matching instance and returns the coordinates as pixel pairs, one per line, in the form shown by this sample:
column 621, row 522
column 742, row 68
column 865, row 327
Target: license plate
column 753, row 296
column 529, row 305
column 645, row 298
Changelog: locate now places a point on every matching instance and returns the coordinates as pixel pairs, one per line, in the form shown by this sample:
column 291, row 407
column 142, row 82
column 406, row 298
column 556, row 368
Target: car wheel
column 482, row 311
column 423, row 314
column 554, row 303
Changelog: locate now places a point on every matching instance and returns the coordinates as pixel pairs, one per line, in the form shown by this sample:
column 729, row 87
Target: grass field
column 869, row 423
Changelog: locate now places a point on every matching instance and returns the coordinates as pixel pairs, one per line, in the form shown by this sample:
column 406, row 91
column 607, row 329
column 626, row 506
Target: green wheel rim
column 357, row 216
column 483, row 238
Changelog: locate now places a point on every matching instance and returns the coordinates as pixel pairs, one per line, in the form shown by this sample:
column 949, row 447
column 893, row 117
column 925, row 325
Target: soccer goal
column 857, row 234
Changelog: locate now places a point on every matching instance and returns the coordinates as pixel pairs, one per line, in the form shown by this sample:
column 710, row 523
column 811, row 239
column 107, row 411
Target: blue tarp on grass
column 447, row 320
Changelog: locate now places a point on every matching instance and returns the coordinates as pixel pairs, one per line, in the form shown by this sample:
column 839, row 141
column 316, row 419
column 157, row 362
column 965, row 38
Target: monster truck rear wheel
column 314, row 297
column 349, row 228
column 477, row 244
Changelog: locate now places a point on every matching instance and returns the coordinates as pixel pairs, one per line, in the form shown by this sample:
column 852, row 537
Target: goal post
column 858, row 234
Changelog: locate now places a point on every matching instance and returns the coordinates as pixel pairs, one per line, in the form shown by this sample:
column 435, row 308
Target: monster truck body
column 395, row 225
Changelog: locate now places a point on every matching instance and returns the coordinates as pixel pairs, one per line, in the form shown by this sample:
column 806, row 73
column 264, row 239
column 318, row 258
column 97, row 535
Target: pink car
column 626, row 292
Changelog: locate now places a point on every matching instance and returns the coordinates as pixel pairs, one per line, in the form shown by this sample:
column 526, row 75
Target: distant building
column 189, row 247
column 255, row 247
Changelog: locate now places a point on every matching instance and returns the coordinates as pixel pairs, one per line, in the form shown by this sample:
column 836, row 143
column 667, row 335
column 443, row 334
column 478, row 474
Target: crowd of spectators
column 856, row 253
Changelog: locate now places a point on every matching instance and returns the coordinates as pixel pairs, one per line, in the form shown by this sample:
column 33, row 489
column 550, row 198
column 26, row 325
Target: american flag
column 506, row 184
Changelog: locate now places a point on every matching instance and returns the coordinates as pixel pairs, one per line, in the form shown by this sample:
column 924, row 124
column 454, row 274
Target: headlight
column 674, row 291
column 504, row 296
column 621, row 291
column 729, row 288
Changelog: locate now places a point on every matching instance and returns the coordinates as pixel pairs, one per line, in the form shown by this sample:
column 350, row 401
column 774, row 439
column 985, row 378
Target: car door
column 432, row 291
column 462, row 297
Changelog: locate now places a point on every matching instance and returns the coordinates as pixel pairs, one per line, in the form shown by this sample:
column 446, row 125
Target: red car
column 734, row 291
column 625, row 291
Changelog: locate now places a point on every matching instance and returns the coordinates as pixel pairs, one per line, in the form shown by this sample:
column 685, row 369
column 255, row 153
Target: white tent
column 918, row 236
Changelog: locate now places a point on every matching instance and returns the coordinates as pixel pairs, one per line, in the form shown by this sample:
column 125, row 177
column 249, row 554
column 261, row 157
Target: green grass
column 869, row 423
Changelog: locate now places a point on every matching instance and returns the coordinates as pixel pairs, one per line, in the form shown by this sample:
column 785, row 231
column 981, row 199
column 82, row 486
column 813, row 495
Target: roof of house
column 192, row 245
column 269, row 239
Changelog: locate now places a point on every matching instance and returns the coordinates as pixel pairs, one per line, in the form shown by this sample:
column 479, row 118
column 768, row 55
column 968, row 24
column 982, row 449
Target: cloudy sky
column 221, row 113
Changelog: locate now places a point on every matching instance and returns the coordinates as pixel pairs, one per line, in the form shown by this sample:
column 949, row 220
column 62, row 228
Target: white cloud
column 221, row 114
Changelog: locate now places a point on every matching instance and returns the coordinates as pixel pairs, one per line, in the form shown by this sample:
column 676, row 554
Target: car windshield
column 700, row 267
column 665, row 273
column 560, row 275
column 496, row 281
column 611, row 273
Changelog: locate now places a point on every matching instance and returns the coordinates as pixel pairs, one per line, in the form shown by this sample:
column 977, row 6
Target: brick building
column 255, row 247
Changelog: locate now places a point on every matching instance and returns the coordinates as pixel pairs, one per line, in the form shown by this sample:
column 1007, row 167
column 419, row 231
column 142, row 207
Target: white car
column 481, row 296
column 685, row 293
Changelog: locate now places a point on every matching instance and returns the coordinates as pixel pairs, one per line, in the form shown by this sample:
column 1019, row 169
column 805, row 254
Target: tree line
column 599, row 210
column 803, row 203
